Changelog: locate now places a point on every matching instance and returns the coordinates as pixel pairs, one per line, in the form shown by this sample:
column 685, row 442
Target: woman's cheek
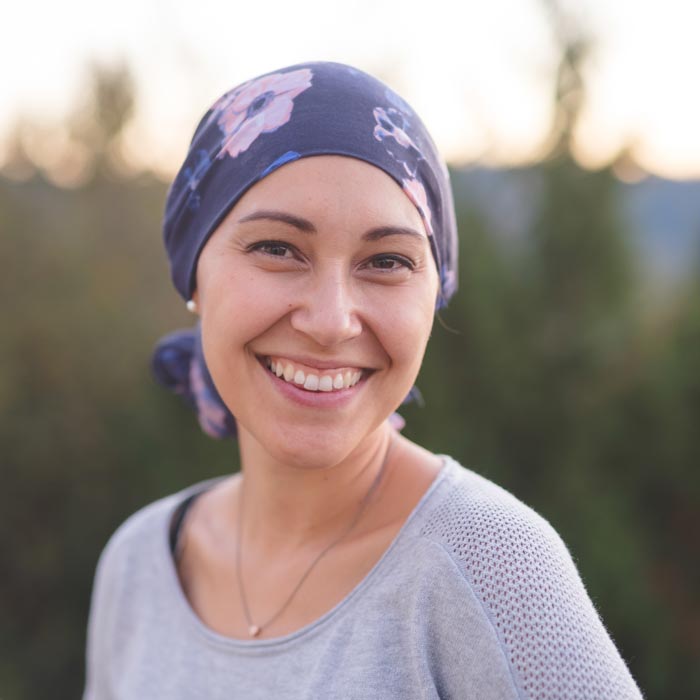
column 252, row 300
column 403, row 328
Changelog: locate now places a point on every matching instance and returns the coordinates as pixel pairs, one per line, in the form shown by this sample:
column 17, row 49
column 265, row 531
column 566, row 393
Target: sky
column 478, row 73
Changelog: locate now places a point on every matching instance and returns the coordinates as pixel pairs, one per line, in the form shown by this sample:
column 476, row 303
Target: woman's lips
column 311, row 378
column 319, row 398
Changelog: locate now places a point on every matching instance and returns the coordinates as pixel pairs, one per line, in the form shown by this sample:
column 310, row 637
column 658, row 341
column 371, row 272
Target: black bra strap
column 177, row 520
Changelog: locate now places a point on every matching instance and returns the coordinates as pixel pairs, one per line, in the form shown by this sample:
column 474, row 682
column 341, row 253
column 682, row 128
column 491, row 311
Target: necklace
column 253, row 629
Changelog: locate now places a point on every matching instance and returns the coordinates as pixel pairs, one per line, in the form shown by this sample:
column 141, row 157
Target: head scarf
column 250, row 131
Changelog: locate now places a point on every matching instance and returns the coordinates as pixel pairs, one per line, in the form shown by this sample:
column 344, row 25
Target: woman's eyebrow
column 306, row 226
column 375, row 234
column 272, row 215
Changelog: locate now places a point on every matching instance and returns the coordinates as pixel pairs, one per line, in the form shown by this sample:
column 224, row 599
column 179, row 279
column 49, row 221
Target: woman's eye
column 276, row 249
column 389, row 263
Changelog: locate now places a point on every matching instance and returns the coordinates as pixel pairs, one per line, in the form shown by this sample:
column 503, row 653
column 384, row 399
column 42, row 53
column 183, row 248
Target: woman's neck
column 288, row 507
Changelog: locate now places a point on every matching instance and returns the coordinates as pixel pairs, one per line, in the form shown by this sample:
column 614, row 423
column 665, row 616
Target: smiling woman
column 338, row 280
column 312, row 229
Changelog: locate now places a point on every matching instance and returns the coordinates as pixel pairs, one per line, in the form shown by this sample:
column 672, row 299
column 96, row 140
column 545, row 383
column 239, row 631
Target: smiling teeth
column 313, row 382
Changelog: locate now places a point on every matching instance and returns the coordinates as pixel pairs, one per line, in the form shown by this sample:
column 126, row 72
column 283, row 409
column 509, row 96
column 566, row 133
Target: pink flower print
column 212, row 417
column 258, row 107
column 387, row 126
column 391, row 129
column 397, row 422
column 416, row 193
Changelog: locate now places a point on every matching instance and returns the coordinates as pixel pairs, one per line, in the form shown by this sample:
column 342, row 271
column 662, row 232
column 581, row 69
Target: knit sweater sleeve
column 104, row 590
column 528, row 585
column 117, row 580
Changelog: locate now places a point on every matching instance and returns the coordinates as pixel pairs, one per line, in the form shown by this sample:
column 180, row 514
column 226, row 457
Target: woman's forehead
column 328, row 187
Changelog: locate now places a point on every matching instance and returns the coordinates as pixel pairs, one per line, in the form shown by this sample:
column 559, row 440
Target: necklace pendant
column 253, row 630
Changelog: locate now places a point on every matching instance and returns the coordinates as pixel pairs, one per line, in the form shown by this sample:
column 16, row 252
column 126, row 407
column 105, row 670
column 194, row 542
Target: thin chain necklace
column 253, row 629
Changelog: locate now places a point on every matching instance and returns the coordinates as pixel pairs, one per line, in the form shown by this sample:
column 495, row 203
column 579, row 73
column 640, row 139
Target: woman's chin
column 315, row 446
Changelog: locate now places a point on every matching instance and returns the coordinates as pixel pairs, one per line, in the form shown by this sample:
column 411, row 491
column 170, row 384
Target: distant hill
column 662, row 217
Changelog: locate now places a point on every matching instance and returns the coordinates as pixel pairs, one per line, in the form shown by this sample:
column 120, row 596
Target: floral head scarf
column 300, row 111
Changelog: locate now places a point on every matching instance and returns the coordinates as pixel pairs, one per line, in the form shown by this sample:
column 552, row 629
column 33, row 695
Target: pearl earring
column 191, row 306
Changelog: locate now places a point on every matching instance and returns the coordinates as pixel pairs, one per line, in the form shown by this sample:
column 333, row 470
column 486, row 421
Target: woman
column 312, row 230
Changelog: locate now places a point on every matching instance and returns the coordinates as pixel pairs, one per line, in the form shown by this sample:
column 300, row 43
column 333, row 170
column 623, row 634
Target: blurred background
column 567, row 369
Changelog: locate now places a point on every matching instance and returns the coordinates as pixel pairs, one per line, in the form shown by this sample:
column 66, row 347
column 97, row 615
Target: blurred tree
column 573, row 397
column 85, row 436
column 574, row 44
column 557, row 385
column 109, row 105
column 18, row 163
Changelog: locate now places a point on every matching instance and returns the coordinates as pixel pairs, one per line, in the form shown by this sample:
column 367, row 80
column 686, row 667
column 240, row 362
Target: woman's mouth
column 305, row 377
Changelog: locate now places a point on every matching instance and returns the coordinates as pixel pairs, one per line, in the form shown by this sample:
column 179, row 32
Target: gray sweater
column 477, row 597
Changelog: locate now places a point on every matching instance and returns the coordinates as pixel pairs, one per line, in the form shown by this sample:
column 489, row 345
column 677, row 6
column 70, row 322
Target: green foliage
column 86, row 435
column 556, row 383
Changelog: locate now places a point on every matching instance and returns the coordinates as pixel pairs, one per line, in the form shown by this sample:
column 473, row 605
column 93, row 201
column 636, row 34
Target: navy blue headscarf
column 304, row 110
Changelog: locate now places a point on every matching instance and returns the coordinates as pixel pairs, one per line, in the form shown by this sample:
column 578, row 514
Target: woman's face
column 316, row 296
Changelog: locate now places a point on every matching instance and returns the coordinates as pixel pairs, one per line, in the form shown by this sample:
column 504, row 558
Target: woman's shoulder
column 497, row 541
column 147, row 528
column 522, row 573
column 470, row 508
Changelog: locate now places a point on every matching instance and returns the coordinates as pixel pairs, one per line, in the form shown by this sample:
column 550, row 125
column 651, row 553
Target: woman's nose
column 327, row 311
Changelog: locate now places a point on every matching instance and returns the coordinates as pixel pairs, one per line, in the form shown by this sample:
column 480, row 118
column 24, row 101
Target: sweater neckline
column 183, row 608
